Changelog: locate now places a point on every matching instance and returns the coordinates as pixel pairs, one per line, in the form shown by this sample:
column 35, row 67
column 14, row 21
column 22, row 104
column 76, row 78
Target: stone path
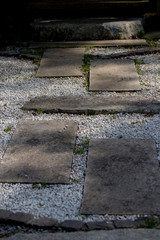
column 84, row 105
column 105, row 74
column 113, row 75
column 39, row 152
column 123, row 234
column 61, row 62
column 122, row 177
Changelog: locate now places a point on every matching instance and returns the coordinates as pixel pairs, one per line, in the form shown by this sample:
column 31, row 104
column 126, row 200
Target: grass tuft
column 82, row 147
column 9, row 128
column 86, row 68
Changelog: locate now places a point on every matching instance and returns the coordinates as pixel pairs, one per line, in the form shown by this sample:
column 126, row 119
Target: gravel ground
column 18, row 84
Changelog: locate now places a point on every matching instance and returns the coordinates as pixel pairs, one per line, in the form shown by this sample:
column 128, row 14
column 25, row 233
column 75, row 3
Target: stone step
column 86, row 29
column 113, row 75
column 120, row 234
column 93, row 104
column 39, row 151
column 61, row 62
column 122, row 177
column 98, row 43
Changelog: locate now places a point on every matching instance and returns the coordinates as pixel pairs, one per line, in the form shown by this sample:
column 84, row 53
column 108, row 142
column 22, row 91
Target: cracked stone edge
column 21, row 218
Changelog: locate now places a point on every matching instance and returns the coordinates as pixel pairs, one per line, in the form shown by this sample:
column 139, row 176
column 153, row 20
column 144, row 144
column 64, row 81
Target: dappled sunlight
column 63, row 201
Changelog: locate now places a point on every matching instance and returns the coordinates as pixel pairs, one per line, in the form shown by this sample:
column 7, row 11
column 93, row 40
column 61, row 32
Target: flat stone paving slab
column 39, row 151
column 121, row 234
column 122, row 177
column 105, row 43
column 61, row 62
column 93, row 104
column 113, row 75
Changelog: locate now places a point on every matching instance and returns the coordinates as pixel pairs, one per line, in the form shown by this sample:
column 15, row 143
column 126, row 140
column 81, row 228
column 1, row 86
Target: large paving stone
column 39, row 151
column 122, row 234
column 105, row 43
column 93, row 104
column 113, row 75
column 122, row 177
column 86, row 29
column 61, row 62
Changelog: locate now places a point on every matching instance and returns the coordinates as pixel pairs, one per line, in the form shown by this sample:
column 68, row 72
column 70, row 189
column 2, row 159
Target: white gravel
column 18, row 84
column 109, row 50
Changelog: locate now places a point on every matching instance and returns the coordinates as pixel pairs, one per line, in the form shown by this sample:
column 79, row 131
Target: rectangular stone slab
column 39, row 151
column 61, row 62
column 113, row 75
column 93, row 104
column 105, row 43
column 117, row 234
column 122, row 177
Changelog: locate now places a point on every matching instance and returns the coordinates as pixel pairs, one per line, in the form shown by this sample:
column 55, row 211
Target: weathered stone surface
column 113, row 75
column 122, row 177
column 26, row 218
column 59, row 62
column 135, row 52
column 42, row 222
column 86, row 29
column 105, row 43
column 100, row 225
column 40, row 151
column 120, row 234
column 72, row 225
column 6, row 215
column 93, row 104
column 125, row 224
column 122, row 29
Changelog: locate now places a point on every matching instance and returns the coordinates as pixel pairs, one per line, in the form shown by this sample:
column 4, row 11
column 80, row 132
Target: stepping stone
column 39, row 151
column 93, row 104
column 61, row 62
column 119, row 234
column 105, row 43
column 113, row 75
column 122, row 177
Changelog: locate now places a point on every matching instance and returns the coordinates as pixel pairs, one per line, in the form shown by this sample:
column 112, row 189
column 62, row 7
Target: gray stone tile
column 122, row 177
column 100, row 225
column 39, row 151
column 72, row 225
column 105, row 43
column 113, row 75
column 93, row 104
column 61, row 62
column 120, row 234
